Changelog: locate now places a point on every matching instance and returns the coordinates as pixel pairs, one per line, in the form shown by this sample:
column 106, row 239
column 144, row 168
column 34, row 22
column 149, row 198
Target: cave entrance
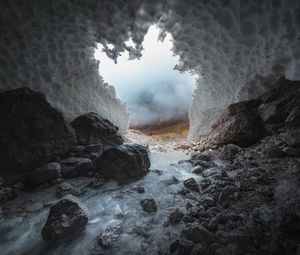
column 157, row 96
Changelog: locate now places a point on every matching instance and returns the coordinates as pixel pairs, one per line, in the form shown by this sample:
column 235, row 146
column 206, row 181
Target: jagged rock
column 75, row 166
column 7, row 193
column 238, row 124
column 149, row 205
column 279, row 102
column 229, row 152
column 175, row 217
column 124, row 162
column 191, row 184
column 66, row 218
column 203, row 164
column 46, row 173
column 33, row 133
column 110, row 235
column 93, row 129
column 200, row 156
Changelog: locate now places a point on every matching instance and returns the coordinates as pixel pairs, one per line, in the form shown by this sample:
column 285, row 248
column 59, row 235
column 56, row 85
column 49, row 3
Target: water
column 111, row 204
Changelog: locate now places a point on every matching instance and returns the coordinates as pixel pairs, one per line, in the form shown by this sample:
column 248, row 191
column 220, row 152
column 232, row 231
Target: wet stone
column 111, row 234
column 175, row 217
column 149, row 205
column 140, row 189
column 191, row 184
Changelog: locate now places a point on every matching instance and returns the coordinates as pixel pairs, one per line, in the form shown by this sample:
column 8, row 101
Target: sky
column 153, row 91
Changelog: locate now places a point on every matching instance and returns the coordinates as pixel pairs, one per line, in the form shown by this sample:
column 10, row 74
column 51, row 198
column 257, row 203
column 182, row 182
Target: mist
column 154, row 92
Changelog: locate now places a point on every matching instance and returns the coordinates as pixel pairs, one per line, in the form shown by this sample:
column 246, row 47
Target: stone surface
column 66, row 218
column 75, row 166
column 124, row 162
column 45, row 173
column 229, row 152
column 7, row 193
column 149, row 205
column 175, row 217
column 110, row 235
column 93, row 129
column 191, row 184
column 198, row 234
column 291, row 137
column 32, row 132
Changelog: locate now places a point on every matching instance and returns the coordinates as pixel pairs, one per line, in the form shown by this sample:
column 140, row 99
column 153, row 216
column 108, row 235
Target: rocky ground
column 238, row 193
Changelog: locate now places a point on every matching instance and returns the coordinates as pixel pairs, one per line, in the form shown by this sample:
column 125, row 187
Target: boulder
column 124, row 162
column 92, row 129
column 291, row 137
column 149, row 205
column 198, row 234
column 75, row 166
column 191, row 184
column 33, row 133
column 239, row 124
column 229, row 152
column 7, row 193
column 44, row 174
column 175, row 217
column 66, row 218
column 111, row 234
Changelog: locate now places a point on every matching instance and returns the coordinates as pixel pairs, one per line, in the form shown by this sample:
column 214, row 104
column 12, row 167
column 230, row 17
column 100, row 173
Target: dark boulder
column 46, row 173
column 229, row 152
column 124, row 162
column 191, row 184
column 239, row 124
column 92, row 129
column 198, row 234
column 149, row 205
column 66, row 218
column 33, row 133
column 75, row 166
column 111, row 234
column 7, row 193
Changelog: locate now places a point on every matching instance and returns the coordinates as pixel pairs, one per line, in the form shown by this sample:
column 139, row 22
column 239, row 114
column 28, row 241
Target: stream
column 111, row 204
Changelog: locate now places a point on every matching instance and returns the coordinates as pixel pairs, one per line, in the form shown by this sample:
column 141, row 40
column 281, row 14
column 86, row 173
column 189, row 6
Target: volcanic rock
column 66, row 218
column 33, row 133
column 93, row 129
column 124, row 162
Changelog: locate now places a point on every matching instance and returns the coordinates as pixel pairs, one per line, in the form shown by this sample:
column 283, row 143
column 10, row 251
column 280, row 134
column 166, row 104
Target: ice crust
column 234, row 46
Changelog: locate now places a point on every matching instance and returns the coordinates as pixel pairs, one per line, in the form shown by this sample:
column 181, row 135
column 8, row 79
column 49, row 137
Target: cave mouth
column 157, row 95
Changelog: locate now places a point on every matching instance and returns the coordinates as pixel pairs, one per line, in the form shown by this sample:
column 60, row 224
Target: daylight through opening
column 157, row 96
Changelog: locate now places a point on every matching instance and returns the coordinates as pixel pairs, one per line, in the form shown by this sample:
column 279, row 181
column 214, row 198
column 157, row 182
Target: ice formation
column 233, row 45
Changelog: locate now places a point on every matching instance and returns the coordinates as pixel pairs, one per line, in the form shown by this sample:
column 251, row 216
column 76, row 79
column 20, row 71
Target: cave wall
column 235, row 47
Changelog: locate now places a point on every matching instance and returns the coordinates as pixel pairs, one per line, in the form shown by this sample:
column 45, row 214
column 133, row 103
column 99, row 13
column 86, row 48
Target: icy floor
column 111, row 204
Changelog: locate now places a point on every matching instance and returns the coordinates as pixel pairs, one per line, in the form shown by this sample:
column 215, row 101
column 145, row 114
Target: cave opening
column 157, row 95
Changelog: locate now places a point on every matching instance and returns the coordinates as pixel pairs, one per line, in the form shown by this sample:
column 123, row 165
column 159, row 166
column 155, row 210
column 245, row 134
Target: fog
column 153, row 91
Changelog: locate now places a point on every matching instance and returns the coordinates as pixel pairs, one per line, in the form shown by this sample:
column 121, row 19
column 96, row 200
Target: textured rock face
column 76, row 166
column 124, row 162
column 238, row 124
column 55, row 43
column 92, row 129
column 66, row 218
column 32, row 131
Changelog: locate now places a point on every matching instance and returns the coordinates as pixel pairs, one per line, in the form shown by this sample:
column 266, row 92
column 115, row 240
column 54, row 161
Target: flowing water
column 109, row 205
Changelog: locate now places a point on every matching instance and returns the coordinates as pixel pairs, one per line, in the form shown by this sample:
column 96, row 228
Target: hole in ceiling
column 155, row 93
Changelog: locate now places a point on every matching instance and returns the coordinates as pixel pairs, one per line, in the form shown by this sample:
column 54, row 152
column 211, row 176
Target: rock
column 96, row 183
column 175, row 217
column 291, row 137
column 293, row 152
column 7, row 193
column 181, row 247
column 66, row 218
column 140, row 189
column 238, row 124
column 45, row 173
column 110, row 235
column 95, row 150
column 191, row 184
column 33, row 207
column 198, row 234
column 124, row 162
column 149, row 205
column 79, row 151
column 197, row 170
column 203, row 164
column 229, row 152
column 92, row 129
column 279, row 103
column 33, row 133
column 63, row 189
column 293, row 119
column 200, row 156
column 75, row 166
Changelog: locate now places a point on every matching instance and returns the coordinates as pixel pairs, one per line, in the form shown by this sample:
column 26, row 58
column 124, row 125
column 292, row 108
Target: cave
column 78, row 176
